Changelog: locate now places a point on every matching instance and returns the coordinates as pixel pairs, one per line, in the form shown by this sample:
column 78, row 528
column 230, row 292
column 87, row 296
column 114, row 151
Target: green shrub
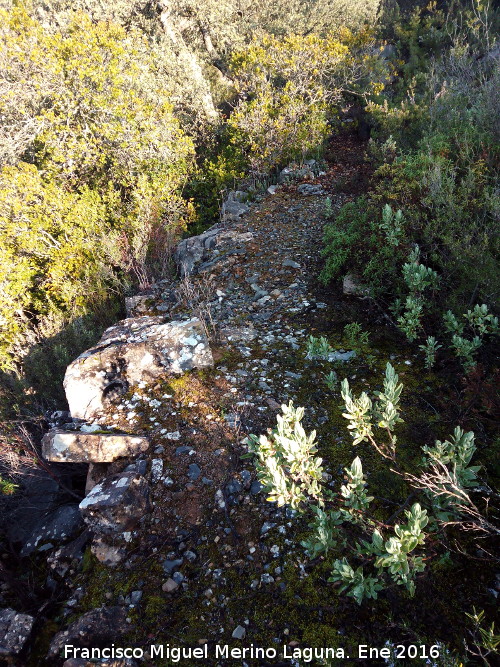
column 290, row 87
column 97, row 202
column 343, row 525
column 356, row 242
column 52, row 263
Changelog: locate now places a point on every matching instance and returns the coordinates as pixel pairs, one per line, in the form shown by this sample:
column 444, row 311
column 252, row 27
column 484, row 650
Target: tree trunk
column 189, row 59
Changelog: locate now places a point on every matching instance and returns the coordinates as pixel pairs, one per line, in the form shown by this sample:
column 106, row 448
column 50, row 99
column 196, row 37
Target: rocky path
column 208, row 559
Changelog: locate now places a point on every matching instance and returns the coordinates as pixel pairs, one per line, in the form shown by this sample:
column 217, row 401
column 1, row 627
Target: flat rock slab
column 76, row 447
column 116, row 504
column 15, row 630
column 136, row 350
column 96, row 628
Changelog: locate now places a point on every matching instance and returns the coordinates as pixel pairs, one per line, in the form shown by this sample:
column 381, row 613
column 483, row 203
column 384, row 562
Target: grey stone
column 256, row 487
column 156, row 470
column 170, row 586
column 134, row 351
column 234, row 487
column 108, row 554
column 135, row 597
column 99, row 627
column 194, row 472
column 76, row 447
column 178, row 577
column 141, row 466
column 233, row 210
column 59, row 525
column 352, row 287
column 272, row 189
column 15, row 630
column 171, row 566
column 291, row 263
column 266, row 527
column 239, row 632
column 341, row 356
column 116, row 504
column 237, row 195
column 310, row 189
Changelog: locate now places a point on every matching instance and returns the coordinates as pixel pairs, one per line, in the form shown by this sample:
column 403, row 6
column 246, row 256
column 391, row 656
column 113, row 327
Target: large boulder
column 76, row 447
column 58, row 526
column 116, row 504
column 15, row 630
column 97, row 628
column 136, row 350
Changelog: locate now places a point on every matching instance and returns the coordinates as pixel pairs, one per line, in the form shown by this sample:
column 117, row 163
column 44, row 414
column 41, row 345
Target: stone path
column 209, row 543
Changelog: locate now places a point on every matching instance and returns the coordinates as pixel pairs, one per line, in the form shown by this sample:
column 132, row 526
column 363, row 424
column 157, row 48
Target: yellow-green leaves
column 94, row 163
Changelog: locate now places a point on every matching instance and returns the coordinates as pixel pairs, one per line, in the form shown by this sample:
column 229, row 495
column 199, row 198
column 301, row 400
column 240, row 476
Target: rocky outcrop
column 15, row 630
column 233, row 210
column 76, row 447
column 96, row 628
column 194, row 250
column 112, row 510
column 136, row 350
column 116, row 504
column 193, row 253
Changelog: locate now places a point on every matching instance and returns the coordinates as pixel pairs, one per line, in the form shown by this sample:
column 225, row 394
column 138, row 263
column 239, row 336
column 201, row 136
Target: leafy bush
column 94, row 200
column 370, row 555
column 286, row 464
column 289, row 87
column 417, row 278
column 356, row 242
column 318, row 348
column 364, row 414
column 52, row 263
column 438, row 133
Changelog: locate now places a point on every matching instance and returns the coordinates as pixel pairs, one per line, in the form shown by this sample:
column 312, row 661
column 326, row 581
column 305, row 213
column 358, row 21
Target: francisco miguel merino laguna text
column 222, row 651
